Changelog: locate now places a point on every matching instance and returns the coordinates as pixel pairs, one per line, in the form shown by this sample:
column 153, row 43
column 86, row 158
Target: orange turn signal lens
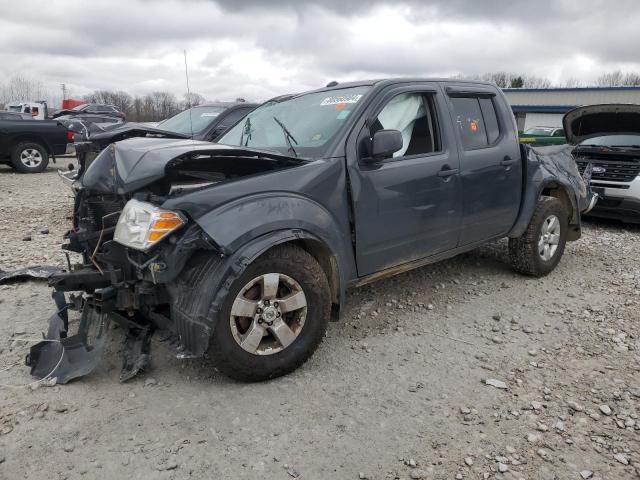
column 163, row 225
column 167, row 224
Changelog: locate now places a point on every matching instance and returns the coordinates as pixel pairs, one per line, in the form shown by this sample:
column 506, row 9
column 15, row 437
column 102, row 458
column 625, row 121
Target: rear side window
column 476, row 120
column 490, row 119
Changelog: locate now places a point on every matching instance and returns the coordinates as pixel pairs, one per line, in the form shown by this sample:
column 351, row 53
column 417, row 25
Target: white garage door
column 543, row 120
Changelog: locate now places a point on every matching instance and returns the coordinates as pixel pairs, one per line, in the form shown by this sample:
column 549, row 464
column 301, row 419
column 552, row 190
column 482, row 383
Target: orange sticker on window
column 473, row 125
column 340, row 106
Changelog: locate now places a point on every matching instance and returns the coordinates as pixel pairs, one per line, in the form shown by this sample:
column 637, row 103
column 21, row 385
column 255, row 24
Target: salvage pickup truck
column 26, row 146
column 243, row 249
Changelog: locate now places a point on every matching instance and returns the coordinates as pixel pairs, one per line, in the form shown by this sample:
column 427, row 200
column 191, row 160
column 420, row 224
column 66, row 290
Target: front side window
column 301, row 125
column 413, row 115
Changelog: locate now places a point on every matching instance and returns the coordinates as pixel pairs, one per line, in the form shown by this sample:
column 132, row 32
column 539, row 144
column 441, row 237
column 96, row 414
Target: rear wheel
column 539, row 250
column 274, row 317
column 29, row 157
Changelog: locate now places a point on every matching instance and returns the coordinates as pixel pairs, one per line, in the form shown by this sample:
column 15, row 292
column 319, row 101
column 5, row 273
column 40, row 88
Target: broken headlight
column 141, row 225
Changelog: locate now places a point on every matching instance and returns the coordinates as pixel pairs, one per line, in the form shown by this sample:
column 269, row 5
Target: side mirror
column 385, row 143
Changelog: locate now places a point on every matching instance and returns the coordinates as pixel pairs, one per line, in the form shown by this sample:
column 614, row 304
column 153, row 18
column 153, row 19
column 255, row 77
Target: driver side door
column 406, row 207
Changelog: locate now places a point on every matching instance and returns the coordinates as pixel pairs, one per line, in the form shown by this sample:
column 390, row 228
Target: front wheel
column 539, row 250
column 29, row 157
column 274, row 317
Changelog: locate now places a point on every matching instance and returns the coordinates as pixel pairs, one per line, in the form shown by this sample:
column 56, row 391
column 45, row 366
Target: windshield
column 77, row 108
column 15, row 108
column 614, row 141
column 302, row 125
column 200, row 117
column 538, row 131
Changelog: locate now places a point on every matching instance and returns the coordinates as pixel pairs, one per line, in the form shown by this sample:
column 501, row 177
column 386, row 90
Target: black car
column 93, row 109
column 203, row 122
column 88, row 118
column 207, row 122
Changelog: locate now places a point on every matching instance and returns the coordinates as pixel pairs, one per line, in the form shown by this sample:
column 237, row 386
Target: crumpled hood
column 129, row 165
column 591, row 121
column 129, row 130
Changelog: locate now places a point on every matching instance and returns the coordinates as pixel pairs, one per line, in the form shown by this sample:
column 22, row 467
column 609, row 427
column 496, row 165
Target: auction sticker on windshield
column 340, row 99
column 210, row 114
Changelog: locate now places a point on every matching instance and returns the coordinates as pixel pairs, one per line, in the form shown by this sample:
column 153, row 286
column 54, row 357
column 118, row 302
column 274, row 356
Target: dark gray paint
column 402, row 211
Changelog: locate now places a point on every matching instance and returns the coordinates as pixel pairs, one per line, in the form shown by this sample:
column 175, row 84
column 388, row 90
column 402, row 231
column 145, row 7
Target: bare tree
column 573, row 83
column 120, row 99
column 22, row 88
column 192, row 100
column 618, row 78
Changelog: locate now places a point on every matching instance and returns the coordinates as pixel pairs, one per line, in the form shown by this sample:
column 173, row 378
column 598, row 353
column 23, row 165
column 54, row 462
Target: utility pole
column 64, row 91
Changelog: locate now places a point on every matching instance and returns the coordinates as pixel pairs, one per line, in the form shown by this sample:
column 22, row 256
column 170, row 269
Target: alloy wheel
column 549, row 237
column 268, row 314
column 31, row 157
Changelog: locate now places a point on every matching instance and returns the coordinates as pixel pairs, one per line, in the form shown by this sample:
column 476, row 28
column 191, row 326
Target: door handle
column 506, row 161
column 447, row 171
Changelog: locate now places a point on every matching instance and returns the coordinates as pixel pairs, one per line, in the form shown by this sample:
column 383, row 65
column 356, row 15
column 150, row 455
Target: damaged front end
column 133, row 251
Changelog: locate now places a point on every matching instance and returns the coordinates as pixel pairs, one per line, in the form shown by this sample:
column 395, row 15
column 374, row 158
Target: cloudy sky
column 257, row 49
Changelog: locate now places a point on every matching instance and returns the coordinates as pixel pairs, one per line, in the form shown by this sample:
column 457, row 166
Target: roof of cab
column 383, row 82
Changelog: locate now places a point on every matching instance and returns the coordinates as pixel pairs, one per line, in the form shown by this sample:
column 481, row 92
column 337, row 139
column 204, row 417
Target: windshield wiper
column 246, row 130
column 626, row 146
column 287, row 136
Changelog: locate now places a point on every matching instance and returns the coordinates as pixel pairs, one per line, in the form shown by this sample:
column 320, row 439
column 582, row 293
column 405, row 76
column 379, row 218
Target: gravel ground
column 460, row 370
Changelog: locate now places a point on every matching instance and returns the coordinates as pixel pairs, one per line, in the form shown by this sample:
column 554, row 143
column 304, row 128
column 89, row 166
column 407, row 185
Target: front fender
column 238, row 222
column 258, row 222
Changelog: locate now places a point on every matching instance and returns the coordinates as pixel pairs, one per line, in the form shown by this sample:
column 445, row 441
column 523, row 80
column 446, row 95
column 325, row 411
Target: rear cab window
column 476, row 120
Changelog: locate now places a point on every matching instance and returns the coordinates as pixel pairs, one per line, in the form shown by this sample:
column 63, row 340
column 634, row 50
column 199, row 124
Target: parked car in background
column 207, row 122
column 27, row 145
column 38, row 109
column 92, row 118
column 541, row 136
column 15, row 116
column 244, row 247
column 204, row 122
column 607, row 137
column 92, row 108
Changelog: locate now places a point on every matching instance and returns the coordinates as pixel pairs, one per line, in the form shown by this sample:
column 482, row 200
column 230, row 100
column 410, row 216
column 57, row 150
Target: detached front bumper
column 65, row 357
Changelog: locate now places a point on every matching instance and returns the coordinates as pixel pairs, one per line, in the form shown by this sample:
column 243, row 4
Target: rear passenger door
column 490, row 165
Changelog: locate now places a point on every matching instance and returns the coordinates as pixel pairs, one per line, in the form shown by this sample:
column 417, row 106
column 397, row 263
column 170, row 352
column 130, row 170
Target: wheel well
column 558, row 191
column 325, row 258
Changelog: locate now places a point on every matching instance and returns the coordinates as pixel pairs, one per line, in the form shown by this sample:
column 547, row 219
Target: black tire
column 225, row 352
column 524, row 251
column 18, row 162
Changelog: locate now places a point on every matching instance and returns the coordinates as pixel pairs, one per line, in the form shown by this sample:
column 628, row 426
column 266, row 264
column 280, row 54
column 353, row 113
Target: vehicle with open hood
column 244, row 248
column 607, row 137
